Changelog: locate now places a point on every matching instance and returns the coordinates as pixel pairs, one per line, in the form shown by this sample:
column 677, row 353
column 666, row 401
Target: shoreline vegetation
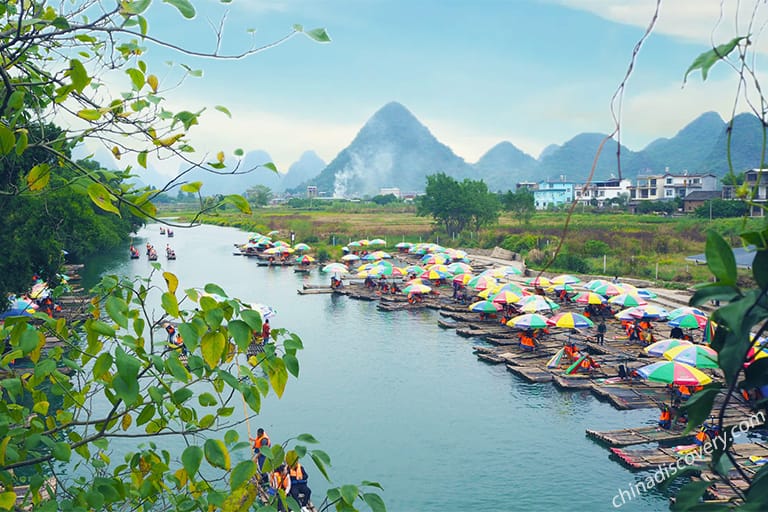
column 648, row 247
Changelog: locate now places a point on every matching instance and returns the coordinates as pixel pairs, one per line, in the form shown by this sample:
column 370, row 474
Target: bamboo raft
column 533, row 374
column 572, row 382
column 447, row 323
column 641, row 460
column 316, row 291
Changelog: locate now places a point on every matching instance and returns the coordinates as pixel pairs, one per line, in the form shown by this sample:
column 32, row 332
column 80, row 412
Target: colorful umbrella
column 414, row 269
column 506, row 297
column 350, row 257
column 685, row 310
column 689, row 321
column 484, row 306
column 459, row 267
column 570, row 321
column 462, row 279
column 434, row 274
column 607, row 289
column 529, row 321
column 377, row 241
column 589, row 298
column 627, row 300
column 417, row 288
column 534, row 303
column 335, row 268
column 565, row 279
column 699, row 356
column 658, row 348
column 672, row 372
column 482, row 282
column 538, row 281
column 305, row 260
column 403, row 245
column 301, row 247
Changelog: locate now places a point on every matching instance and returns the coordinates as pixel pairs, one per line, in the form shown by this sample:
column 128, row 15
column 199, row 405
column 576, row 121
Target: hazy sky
column 475, row 72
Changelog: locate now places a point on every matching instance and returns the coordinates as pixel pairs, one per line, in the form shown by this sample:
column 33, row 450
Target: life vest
column 701, row 437
column 685, row 391
column 665, row 415
column 280, row 481
column 170, row 329
column 259, row 441
column 586, row 363
column 296, row 472
column 526, row 341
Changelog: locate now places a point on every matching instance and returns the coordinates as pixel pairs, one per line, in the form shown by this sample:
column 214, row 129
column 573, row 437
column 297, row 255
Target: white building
column 757, row 181
column 603, row 191
column 667, row 186
column 391, row 190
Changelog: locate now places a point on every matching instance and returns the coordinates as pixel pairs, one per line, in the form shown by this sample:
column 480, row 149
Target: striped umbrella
column 570, row 321
column 484, row 306
column 627, row 300
column 529, row 321
column 565, row 279
column 301, row 247
column 685, row 310
column 417, row 288
column 534, row 303
column 463, row 279
column 699, row 356
column 672, row 372
column 506, row 297
column 689, row 321
column 589, row 298
column 658, row 348
column 538, row 281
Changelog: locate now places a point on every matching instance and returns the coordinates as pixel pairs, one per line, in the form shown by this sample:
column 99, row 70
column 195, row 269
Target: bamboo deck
column 652, row 458
column 533, row 374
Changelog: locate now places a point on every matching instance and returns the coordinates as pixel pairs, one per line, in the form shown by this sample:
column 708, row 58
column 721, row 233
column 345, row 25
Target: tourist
column 665, row 418
column 261, row 440
column 171, row 330
column 265, row 331
column 601, row 328
column 676, row 333
column 299, row 489
column 279, row 480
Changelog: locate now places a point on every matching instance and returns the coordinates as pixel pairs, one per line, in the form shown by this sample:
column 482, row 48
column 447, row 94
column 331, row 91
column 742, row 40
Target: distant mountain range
column 394, row 149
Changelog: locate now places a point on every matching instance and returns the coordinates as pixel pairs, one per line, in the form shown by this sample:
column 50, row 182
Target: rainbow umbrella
column 658, row 348
column 627, row 300
column 514, row 288
column 403, row 245
column 305, row 260
column 417, row 288
column 529, row 321
column 684, row 311
column 672, row 372
column 699, row 356
column 414, row 269
column 434, row 274
column 689, row 321
column 570, row 321
column 565, row 279
column 459, row 267
column 350, row 257
column 430, row 259
column 589, row 298
column 484, row 306
column 377, row 241
column 462, row 279
column 506, row 297
column 301, row 247
column 534, row 303
column 607, row 289
column 482, row 282
column 538, row 281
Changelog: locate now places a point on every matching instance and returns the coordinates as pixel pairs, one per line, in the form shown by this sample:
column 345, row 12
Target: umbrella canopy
column 529, row 321
column 689, row 321
column 607, row 289
column 417, row 288
column 570, row 320
column 377, row 241
column 514, row 288
column 506, row 297
column 273, row 233
column 414, row 269
column 434, row 274
column 685, row 310
column 534, row 303
column 648, row 311
column 589, row 298
column 484, row 306
column 565, row 279
column 302, row 247
column 482, row 282
column 306, row 259
column 441, row 268
column 350, row 257
column 658, row 348
column 699, row 356
column 538, row 281
column 459, row 267
column 672, row 372
column 430, row 259
column 462, row 279
column 403, row 245
column 627, row 300
column 335, row 268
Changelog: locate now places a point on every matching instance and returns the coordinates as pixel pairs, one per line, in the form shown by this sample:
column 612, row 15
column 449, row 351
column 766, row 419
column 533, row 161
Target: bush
column 571, row 263
column 519, row 243
column 596, row 248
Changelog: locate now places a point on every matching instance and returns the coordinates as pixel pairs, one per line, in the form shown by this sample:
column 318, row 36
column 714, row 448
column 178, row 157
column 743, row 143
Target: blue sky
column 475, row 73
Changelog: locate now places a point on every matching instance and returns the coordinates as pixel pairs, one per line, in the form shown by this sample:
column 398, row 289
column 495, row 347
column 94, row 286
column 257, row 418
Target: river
column 395, row 399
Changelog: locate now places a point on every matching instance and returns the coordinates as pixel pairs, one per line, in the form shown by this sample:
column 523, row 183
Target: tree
column 259, row 196
column 721, row 208
column 458, row 205
column 384, row 199
column 57, row 62
column 520, row 203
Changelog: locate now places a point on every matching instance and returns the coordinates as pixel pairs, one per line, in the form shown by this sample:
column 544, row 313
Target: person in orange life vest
column 701, row 437
column 265, row 331
column 261, row 440
column 685, row 392
column 572, row 351
column 280, row 480
column 588, row 364
column 526, row 341
column 665, row 418
column 299, row 489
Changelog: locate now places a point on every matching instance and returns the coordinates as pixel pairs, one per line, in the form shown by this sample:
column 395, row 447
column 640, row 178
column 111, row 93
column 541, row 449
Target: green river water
column 395, row 399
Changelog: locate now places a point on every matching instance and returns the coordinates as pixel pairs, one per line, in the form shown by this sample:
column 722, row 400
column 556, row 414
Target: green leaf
column 241, row 333
column 215, row 289
column 349, row 493
column 272, row 167
column 206, row 399
column 62, row 451
column 38, row 177
column 239, row 152
column 307, row 438
column 181, row 395
column 720, row 259
column 291, row 364
column 22, row 141
column 89, row 114
column 102, row 365
column 760, row 269
column 191, row 459
column 708, row 59
column 713, row 291
column 192, row 188
column 212, row 348
column 102, row 198
column 7, row 500
column 29, row 340
column 136, row 6
column 146, row 414
column 689, row 495
column 142, row 159
column 216, row 454
column 170, row 304
column 117, row 310
column 78, row 75
column 242, row 473
column 223, row 109
column 375, row 502
column 319, row 35
column 7, row 140
column 184, row 6
column 278, row 377
column 238, row 202
column 137, row 78
column 175, row 367
column 699, row 406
